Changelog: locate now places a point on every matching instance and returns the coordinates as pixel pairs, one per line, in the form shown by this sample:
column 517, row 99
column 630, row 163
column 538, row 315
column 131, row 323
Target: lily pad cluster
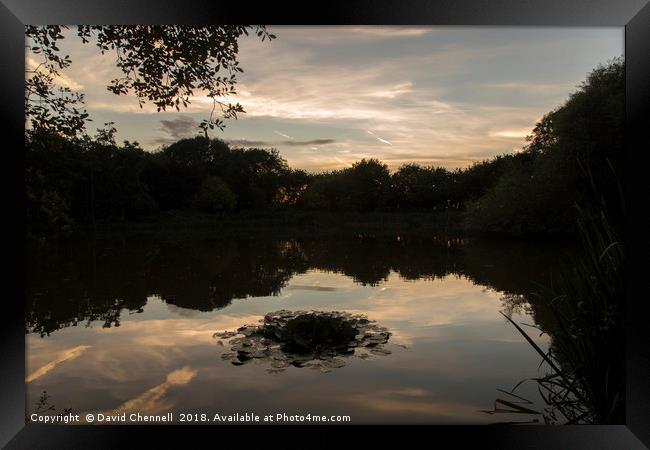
column 315, row 339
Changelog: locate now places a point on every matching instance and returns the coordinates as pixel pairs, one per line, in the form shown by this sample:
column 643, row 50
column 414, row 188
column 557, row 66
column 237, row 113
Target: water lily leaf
column 315, row 339
column 334, row 363
column 380, row 351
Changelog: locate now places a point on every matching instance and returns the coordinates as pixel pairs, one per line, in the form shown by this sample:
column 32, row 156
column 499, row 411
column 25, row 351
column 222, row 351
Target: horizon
column 328, row 96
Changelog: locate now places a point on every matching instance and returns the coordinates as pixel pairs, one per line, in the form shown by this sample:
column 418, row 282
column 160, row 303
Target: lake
column 119, row 325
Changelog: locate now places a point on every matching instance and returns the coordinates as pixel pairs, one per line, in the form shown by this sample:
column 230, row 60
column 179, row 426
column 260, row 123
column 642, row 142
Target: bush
column 572, row 154
column 505, row 208
column 215, row 195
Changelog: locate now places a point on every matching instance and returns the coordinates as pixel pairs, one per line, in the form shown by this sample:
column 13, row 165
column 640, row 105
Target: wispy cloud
column 63, row 79
column 153, row 400
column 283, row 135
column 337, row 35
column 449, row 95
column 379, row 139
column 62, row 357
column 393, row 91
column 249, row 143
column 515, row 134
column 388, row 31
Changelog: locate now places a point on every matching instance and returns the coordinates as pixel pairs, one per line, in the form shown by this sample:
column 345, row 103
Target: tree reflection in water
column 83, row 282
column 91, row 280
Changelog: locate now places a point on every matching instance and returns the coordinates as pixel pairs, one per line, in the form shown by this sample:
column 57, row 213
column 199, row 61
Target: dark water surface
column 127, row 325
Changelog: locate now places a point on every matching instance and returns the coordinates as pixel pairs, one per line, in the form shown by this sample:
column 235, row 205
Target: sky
column 328, row 96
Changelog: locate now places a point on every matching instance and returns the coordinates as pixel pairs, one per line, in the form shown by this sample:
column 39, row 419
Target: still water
column 127, row 325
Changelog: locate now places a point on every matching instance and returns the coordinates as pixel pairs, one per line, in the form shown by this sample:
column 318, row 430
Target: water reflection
column 90, row 281
column 153, row 401
column 63, row 356
column 438, row 298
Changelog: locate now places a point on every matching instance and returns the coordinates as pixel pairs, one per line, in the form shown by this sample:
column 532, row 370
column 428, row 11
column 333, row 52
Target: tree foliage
column 215, row 195
column 162, row 64
column 573, row 157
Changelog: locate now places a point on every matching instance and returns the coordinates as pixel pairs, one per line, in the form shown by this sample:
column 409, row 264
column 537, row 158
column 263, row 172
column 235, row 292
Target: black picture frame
column 634, row 15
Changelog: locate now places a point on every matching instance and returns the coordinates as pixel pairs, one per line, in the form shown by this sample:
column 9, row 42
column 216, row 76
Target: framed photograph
column 372, row 216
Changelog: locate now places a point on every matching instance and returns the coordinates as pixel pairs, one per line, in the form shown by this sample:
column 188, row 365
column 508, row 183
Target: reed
column 585, row 363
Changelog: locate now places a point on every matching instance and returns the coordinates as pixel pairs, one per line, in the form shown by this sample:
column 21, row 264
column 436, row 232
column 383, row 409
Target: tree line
column 573, row 156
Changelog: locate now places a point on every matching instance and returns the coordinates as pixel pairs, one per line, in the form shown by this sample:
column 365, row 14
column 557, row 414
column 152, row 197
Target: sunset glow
column 328, row 96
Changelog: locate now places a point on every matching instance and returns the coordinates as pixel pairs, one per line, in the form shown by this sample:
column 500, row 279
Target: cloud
column 333, row 35
column 394, row 91
column 154, row 401
column 456, row 93
column 183, row 312
column 311, row 288
column 516, row 134
column 417, row 403
column 391, row 31
column 249, row 143
column 180, row 127
column 63, row 356
column 176, row 129
column 312, row 142
column 283, row 135
column 379, row 139
column 61, row 79
column 534, row 88
column 424, row 156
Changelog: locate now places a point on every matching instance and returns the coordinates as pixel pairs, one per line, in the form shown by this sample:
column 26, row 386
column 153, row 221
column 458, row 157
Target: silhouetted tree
column 215, row 195
column 292, row 186
column 574, row 157
column 163, row 64
column 369, row 185
column 363, row 187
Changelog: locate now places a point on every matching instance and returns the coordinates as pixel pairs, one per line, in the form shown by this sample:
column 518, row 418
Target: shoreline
column 286, row 224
